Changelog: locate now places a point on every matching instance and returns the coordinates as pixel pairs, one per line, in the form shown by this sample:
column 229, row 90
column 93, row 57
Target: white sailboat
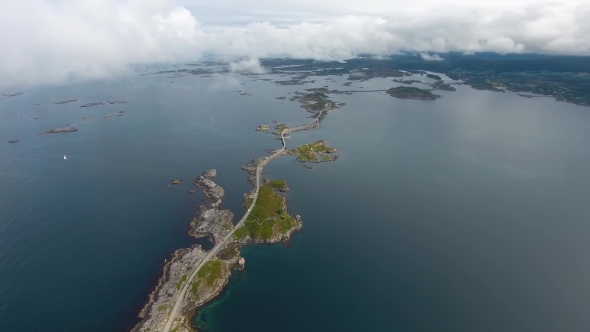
column 65, row 157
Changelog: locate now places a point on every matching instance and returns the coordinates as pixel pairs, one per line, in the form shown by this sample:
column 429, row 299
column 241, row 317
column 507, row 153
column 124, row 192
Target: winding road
column 180, row 299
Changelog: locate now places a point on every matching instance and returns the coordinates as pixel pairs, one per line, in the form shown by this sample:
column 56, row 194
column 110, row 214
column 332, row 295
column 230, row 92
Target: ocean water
column 466, row 213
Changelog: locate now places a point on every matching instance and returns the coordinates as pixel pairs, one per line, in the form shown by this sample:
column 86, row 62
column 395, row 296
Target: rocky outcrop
column 210, row 174
column 213, row 222
column 211, row 278
column 211, row 189
column 157, row 310
column 250, row 168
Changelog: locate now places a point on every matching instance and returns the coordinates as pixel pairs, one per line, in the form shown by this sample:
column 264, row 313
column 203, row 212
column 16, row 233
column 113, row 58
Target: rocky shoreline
column 214, row 223
column 211, row 222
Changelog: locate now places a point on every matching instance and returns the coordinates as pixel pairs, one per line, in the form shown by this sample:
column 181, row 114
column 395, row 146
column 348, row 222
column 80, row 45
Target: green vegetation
column 248, row 202
column 210, row 272
column 267, row 213
column 240, row 233
column 195, row 287
column 307, row 158
column 280, row 185
column 309, row 152
column 163, row 307
column 405, row 92
column 436, row 77
column 179, row 283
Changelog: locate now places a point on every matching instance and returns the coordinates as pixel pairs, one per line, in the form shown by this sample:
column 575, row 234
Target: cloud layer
column 46, row 42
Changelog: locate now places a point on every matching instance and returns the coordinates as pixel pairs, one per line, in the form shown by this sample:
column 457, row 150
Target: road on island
column 180, row 299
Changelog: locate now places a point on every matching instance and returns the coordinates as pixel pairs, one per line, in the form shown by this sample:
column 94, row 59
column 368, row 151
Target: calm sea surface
column 468, row 213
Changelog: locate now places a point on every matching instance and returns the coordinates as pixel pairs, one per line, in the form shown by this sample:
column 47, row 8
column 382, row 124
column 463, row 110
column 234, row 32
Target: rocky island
column 14, row 141
column 60, row 130
column 120, row 113
column 263, row 128
column 94, row 104
column 65, row 101
column 411, row 93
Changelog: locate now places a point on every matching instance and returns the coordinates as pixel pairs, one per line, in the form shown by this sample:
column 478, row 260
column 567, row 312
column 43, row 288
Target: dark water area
column 466, row 213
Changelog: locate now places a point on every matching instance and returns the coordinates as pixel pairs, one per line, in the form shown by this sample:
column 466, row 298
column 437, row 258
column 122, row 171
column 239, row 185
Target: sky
column 61, row 41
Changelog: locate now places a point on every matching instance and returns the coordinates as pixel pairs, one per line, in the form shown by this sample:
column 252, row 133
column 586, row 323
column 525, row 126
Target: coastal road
column 180, row 299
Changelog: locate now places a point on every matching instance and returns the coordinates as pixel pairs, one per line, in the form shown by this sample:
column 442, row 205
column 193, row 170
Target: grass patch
column 307, row 157
column 210, row 272
column 249, row 201
column 279, row 185
column 179, row 283
column 195, row 287
column 266, row 213
column 240, row 233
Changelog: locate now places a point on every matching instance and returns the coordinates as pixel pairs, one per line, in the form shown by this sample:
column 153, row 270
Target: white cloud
column 433, row 57
column 56, row 41
column 250, row 65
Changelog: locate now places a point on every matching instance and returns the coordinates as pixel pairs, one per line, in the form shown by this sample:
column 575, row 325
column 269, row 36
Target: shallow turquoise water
column 467, row 213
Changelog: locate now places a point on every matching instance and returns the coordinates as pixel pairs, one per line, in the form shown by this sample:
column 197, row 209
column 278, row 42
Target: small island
column 60, row 130
column 435, row 77
column 440, row 85
column 315, row 152
column 14, row 141
column 120, row 113
column 93, row 104
column 280, row 128
column 411, row 93
column 65, row 101
column 263, row 128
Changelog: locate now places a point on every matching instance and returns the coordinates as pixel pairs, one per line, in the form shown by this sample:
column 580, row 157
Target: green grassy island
column 315, row 152
column 405, row 92
column 268, row 221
